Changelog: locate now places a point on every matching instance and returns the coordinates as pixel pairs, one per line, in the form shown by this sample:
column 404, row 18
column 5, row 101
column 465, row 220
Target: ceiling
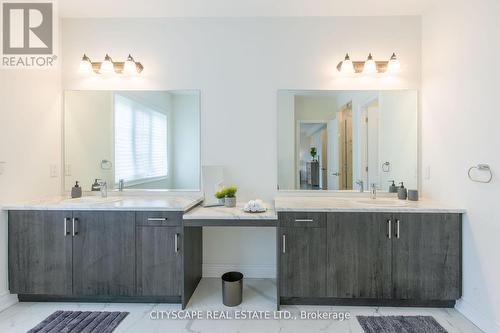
column 239, row 8
column 311, row 128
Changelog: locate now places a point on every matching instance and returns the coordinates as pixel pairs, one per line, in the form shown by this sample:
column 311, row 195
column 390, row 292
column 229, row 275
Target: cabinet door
column 159, row 261
column 427, row 257
column 40, row 252
column 359, row 255
column 302, row 262
column 104, row 254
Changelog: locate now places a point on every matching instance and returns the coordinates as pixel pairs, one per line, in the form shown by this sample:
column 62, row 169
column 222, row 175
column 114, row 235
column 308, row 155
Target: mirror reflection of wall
column 139, row 139
column 338, row 140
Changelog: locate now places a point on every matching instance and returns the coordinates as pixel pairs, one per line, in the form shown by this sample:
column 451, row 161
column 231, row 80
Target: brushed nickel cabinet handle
column 397, row 229
column 66, row 226
column 389, row 228
column 74, row 222
column 304, row 220
column 157, row 219
column 283, row 243
column 176, row 243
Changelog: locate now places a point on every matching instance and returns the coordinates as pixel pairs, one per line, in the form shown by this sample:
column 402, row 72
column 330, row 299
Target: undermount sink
column 383, row 202
column 90, row 200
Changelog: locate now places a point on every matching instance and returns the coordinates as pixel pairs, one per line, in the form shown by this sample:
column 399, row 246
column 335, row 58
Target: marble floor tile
column 258, row 294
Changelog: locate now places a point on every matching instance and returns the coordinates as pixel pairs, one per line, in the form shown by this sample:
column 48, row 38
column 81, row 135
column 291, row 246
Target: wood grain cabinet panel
column 302, row 262
column 104, row 254
column 359, row 255
column 426, row 257
column 40, row 253
column 159, row 261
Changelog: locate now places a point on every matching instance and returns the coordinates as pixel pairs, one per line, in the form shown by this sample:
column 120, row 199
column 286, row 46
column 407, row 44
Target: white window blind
column 140, row 141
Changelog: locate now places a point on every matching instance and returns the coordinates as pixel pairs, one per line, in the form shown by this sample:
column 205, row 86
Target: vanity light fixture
column 346, row 66
column 370, row 66
column 394, row 66
column 108, row 66
column 130, row 67
column 85, row 65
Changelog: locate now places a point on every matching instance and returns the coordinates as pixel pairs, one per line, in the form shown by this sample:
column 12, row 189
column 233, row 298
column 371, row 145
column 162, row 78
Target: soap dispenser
column 402, row 192
column 95, row 186
column 76, row 191
column 393, row 188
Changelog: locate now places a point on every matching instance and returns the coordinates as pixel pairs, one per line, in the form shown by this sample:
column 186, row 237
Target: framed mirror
column 347, row 140
column 140, row 140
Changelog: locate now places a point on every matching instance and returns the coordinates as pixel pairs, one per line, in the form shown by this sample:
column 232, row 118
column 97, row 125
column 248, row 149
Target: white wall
column 186, row 140
column 30, row 142
column 88, row 138
column 460, row 119
column 239, row 64
column 398, row 138
column 286, row 140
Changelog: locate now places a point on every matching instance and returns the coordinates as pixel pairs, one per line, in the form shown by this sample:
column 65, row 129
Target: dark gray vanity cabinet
column 104, row 254
column 302, row 255
column 159, row 254
column 359, row 256
column 159, row 261
column 40, row 252
column 97, row 255
column 368, row 258
column 426, row 256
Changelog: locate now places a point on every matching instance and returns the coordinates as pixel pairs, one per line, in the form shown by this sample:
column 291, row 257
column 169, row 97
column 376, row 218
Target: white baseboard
column 479, row 318
column 249, row 271
column 7, row 300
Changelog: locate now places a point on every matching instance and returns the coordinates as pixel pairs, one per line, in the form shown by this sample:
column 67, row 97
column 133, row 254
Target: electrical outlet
column 67, row 170
column 53, row 171
column 427, row 172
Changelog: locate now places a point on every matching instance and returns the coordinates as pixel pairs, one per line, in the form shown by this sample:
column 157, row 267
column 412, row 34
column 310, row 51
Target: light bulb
column 370, row 66
column 107, row 66
column 129, row 68
column 85, row 65
column 347, row 67
column 394, row 66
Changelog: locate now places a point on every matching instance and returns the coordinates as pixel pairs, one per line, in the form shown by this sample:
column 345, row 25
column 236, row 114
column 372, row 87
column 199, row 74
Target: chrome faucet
column 121, row 185
column 373, row 192
column 361, row 185
column 103, row 187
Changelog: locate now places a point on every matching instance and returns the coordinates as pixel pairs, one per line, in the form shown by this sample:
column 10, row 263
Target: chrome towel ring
column 386, row 166
column 106, row 165
column 481, row 167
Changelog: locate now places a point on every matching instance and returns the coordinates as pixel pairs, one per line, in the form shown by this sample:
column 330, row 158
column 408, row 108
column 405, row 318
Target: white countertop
column 359, row 204
column 225, row 213
column 184, row 203
column 120, row 203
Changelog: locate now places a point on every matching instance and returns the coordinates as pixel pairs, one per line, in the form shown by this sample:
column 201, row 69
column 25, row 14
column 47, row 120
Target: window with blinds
column 140, row 142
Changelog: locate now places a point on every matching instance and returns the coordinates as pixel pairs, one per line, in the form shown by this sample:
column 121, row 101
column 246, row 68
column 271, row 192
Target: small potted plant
column 313, row 153
column 230, row 199
column 221, row 195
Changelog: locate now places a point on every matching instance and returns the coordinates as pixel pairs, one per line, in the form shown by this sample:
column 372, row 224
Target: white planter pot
column 230, row 202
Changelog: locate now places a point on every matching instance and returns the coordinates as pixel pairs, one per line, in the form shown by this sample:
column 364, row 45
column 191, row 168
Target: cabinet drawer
column 302, row 219
column 158, row 219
